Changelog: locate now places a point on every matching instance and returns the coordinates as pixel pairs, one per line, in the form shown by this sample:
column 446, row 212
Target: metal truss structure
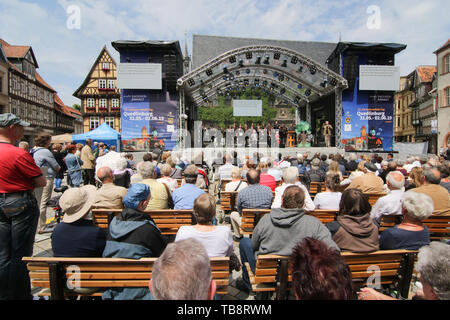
column 287, row 74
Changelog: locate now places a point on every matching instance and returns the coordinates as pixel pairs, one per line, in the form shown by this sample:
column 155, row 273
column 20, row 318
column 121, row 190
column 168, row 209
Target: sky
column 67, row 36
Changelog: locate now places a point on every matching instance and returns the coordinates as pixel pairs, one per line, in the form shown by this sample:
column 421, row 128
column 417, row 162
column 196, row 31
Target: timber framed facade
column 99, row 95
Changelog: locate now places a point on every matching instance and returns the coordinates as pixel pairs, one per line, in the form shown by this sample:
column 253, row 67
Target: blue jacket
column 134, row 235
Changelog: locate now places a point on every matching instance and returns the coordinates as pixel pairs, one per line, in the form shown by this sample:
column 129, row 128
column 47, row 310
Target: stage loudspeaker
column 170, row 70
column 350, row 71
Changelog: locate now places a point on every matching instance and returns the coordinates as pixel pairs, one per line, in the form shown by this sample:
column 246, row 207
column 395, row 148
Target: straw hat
column 76, row 202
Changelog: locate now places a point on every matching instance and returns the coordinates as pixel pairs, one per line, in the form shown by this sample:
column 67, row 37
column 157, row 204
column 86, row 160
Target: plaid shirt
column 254, row 196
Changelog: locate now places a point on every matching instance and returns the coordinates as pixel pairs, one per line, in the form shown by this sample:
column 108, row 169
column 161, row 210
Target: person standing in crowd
column 44, row 159
column 76, row 235
column 88, row 163
column 74, row 170
column 59, row 156
column 326, row 128
column 19, row 210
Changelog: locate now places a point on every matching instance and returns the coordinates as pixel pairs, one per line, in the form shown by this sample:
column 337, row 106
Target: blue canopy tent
column 103, row 133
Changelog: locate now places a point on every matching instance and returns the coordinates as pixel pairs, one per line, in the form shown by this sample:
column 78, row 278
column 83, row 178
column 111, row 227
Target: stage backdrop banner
column 145, row 122
column 367, row 122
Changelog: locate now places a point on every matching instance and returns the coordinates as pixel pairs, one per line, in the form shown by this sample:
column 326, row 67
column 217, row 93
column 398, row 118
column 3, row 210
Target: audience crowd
column 99, row 177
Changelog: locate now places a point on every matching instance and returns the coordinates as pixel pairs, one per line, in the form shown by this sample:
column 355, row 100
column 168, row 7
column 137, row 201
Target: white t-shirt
column 218, row 243
column 231, row 186
column 327, row 200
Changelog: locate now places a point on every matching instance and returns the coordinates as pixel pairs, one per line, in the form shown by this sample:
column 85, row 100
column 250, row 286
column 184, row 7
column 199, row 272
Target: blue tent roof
column 103, row 132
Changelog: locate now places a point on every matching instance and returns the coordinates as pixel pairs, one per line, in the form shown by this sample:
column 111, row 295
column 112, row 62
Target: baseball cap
column 8, row 119
column 136, row 193
column 370, row 166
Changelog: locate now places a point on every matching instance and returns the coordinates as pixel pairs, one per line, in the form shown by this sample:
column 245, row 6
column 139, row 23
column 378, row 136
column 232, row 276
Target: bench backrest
column 325, row 216
column 54, row 273
column 168, row 221
column 273, row 273
column 438, row 226
column 250, row 218
column 373, row 197
column 228, row 200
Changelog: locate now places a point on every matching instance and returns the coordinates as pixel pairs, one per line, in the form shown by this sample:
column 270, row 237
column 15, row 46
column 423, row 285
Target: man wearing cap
column 369, row 182
column 184, row 196
column 133, row 234
column 19, row 212
column 76, row 235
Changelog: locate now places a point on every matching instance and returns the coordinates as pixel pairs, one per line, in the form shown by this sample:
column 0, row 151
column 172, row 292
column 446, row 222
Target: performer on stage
column 326, row 127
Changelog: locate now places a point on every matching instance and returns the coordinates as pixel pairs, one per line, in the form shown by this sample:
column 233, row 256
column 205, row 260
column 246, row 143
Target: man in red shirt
column 19, row 212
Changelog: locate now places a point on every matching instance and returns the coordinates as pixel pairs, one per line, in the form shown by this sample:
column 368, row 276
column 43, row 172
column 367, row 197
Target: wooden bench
column 228, row 201
column 438, row 226
column 273, row 273
column 168, row 221
column 325, row 216
column 373, row 197
column 314, row 188
column 52, row 274
column 250, row 218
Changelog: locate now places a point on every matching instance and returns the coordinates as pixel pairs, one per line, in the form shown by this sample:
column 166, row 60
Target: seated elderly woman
column 410, row 234
column 331, row 197
column 236, row 184
column 217, row 240
column 166, row 171
column 433, row 265
column 353, row 229
column 122, row 174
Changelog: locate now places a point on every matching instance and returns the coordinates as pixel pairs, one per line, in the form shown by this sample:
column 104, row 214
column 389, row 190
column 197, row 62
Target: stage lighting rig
column 307, row 92
column 284, row 64
column 248, row 55
column 281, row 78
column 232, row 59
column 299, row 86
column 225, row 70
column 294, row 60
column 266, row 60
column 191, row 82
column 247, row 71
column 300, row 68
column 209, row 72
column 241, row 63
column 296, row 100
column 276, row 56
column 258, row 60
column 312, row 69
column 333, row 82
column 282, row 90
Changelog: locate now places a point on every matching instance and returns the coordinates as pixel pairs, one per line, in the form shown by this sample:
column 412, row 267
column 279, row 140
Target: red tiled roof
column 42, row 81
column 14, row 51
column 60, row 106
column 426, row 73
column 443, row 47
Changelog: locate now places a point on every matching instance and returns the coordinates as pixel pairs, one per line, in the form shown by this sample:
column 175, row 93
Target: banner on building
column 367, row 122
column 145, row 122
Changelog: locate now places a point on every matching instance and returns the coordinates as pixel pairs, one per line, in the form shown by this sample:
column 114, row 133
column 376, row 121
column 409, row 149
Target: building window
column 103, row 103
column 111, row 84
column 94, row 122
column 102, row 84
column 446, row 66
column 90, row 103
column 110, row 121
column 115, row 103
column 447, row 97
column 105, row 65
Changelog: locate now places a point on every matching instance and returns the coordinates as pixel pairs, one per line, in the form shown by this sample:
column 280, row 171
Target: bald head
column 105, row 175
